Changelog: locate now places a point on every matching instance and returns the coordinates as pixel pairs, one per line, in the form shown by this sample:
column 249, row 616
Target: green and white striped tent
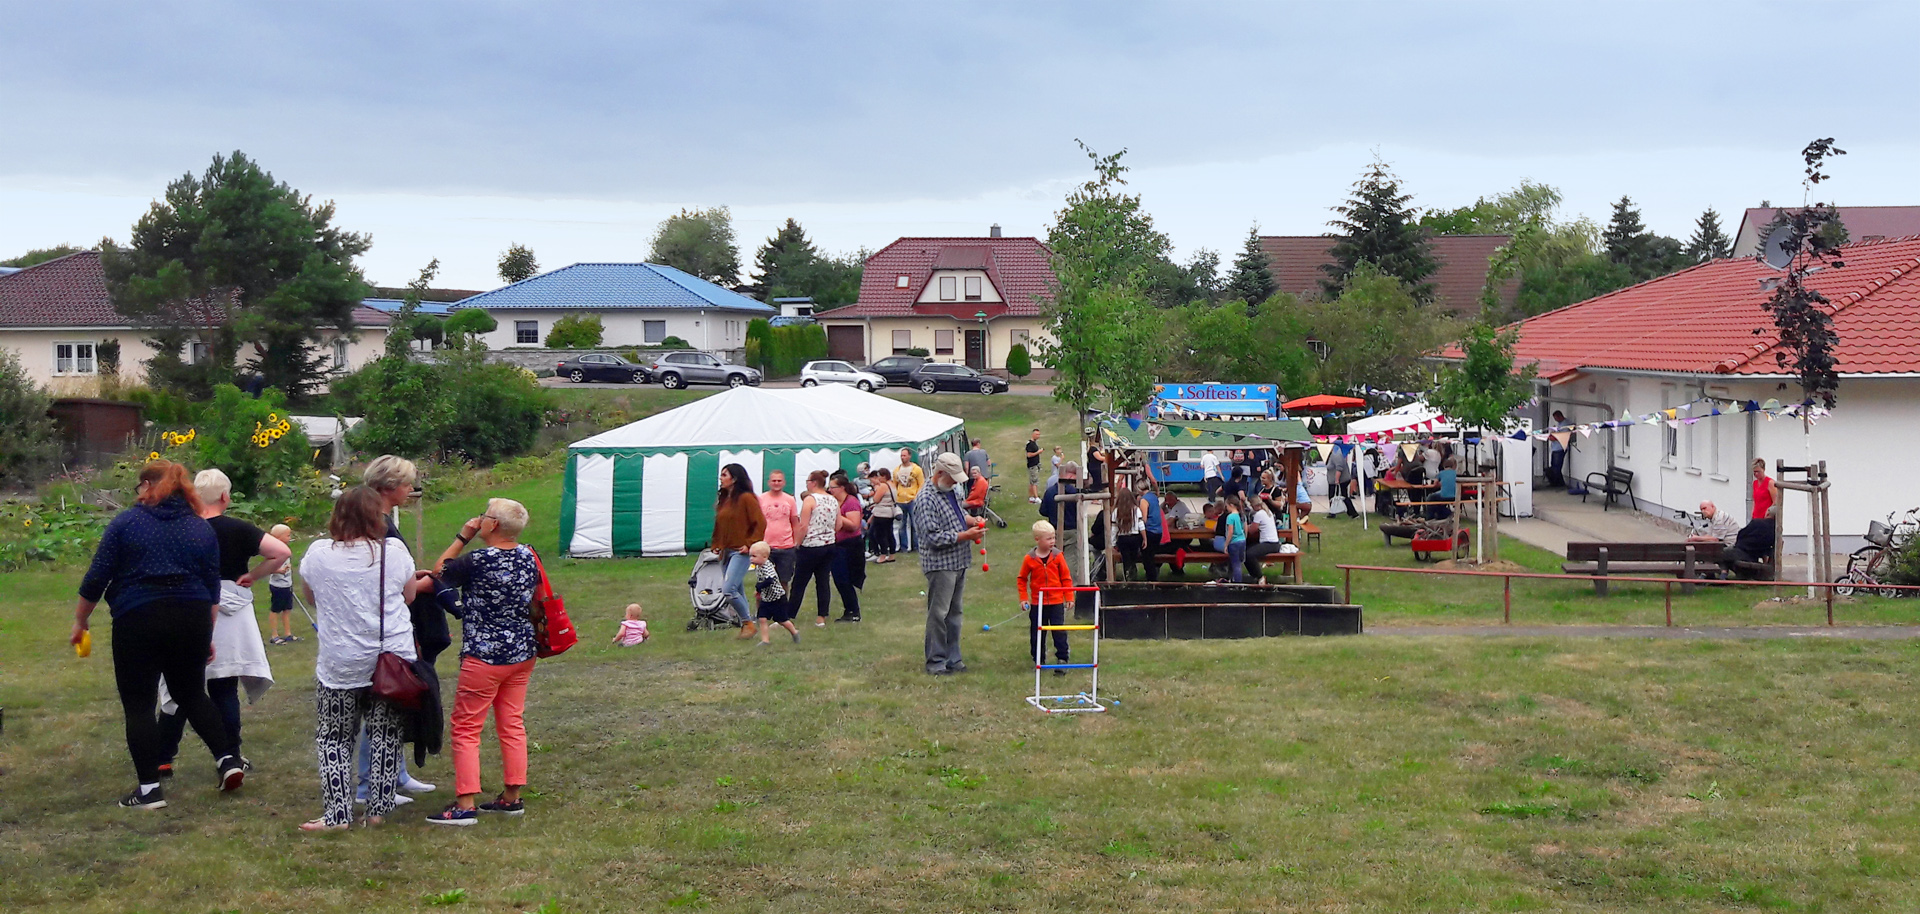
column 648, row 488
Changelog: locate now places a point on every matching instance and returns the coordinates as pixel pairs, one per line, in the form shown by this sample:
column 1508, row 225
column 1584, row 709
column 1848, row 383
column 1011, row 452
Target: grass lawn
column 1337, row 774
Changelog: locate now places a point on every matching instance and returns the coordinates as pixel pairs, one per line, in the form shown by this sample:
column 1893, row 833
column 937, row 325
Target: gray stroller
column 708, row 587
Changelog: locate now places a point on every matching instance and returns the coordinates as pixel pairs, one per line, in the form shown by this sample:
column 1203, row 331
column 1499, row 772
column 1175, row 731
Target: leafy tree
column 460, row 407
column 1251, row 281
column 40, row 255
column 1375, row 333
column 699, row 242
column 464, row 327
column 1253, row 345
column 408, row 324
column 240, row 259
column 1708, row 241
column 1483, row 389
column 1377, row 226
column 1800, row 313
column 1531, row 204
column 1019, row 362
column 1202, row 276
column 575, row 331
column 32, row 448
column 1546, row 286
column 517, row 263
column 1103, row 237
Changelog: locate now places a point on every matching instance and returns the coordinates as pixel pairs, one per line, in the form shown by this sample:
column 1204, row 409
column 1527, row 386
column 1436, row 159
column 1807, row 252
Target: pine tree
column 1708, row 241
column 783, row 264
column 1625, row 239
column 1377, row 226
column 1251, row 281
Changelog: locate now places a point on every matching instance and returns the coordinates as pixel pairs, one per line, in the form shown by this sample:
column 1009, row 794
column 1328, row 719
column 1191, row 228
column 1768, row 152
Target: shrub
column 402, row 402
column 497, row 411
column 1019, row 363
column 576, row 331
column 760, row 346
column 674, row 342
column 253, row 440
column 163, row 407
column 32, row 449
column 468, row 322
column 461, row 407
column 782, row 351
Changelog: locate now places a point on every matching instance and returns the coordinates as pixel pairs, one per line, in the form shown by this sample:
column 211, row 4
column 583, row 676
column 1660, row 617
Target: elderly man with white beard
column 946, row 535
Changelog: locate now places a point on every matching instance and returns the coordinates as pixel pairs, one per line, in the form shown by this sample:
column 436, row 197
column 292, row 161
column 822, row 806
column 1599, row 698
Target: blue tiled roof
column 614, row 286
column 392, row 306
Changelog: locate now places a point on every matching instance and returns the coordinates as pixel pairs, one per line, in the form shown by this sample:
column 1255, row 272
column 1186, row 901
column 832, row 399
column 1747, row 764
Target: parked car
column 938, row 376
column 836, row 372
column 679, row 369
column 897, row 369
column 594, row 367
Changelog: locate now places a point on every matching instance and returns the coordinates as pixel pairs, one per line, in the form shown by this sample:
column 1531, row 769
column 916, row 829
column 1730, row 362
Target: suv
column 678, row 369
column 939, row 376
column 897, row 369
column 831, row 371
column 595, row 367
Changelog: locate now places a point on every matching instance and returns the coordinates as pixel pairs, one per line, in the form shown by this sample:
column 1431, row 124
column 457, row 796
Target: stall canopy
column 648, row 488
column 1414, row 418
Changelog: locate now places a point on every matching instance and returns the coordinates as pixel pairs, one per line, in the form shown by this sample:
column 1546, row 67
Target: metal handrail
column 1506, row 596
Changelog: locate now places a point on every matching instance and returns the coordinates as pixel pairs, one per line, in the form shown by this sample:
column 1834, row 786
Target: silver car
column 836, row 372
column 679, row 369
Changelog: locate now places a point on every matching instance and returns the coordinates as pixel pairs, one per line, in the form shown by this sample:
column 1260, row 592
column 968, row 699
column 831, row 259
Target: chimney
column 994, row 231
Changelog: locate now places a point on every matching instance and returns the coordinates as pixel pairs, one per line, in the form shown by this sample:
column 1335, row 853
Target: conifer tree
column 1251, row 281
column 1377, row 226
column 1708, row 241
column 1626, row 237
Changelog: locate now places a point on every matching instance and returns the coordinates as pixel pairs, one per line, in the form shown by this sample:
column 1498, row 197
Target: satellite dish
column 1777, row 249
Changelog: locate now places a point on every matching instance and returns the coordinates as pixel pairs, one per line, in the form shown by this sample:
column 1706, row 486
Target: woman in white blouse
column 1265, row 543
column 354, row 578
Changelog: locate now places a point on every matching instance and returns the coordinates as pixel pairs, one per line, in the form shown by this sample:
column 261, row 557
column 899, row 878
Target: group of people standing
column 177, row 574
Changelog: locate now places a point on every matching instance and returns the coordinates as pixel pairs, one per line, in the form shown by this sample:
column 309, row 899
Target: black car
column 936, row 376
column 897, row 369
column 595, row 367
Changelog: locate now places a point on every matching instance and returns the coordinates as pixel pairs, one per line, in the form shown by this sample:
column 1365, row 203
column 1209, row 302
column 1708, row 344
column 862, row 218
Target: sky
column 451, row 130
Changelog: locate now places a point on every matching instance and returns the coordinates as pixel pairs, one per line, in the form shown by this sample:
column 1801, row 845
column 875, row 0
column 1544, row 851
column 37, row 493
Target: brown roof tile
column 1295, row 262
column 1019, row 268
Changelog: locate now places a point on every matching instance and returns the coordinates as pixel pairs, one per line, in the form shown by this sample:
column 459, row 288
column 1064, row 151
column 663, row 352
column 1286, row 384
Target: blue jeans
column 1236, row 557
column 366, row 766
column 737, row 565
column 903, row 527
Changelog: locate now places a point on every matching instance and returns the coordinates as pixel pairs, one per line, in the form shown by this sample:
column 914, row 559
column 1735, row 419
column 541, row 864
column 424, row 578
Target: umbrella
column 1323, row 403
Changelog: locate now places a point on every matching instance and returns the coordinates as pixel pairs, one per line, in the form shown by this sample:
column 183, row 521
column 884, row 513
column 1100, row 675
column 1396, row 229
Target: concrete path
column 1728, row 633
column 1559, row 518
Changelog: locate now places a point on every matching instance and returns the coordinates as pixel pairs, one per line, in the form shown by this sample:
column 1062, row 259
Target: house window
column 653, row 331
column 197, row 352
column 947, row 288
column 526, row 333
column 902, row 282
column 1693, row 437
column 942, row 342
column 340, row 355
column 973, row 288
column 1320, row 348
column 74, row 358
column 1018, row 338
column 1669, row 436
column 1625, row 442
column 902, row 341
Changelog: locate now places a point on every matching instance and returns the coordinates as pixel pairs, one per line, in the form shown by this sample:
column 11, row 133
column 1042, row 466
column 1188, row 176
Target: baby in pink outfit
column 633, row 630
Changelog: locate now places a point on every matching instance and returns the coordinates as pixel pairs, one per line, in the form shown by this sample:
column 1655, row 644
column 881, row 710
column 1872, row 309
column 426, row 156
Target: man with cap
column 1066, row 521
column 947, row 537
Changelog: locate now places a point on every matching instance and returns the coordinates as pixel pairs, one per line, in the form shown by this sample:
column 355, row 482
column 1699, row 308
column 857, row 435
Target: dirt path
column 1735, row 633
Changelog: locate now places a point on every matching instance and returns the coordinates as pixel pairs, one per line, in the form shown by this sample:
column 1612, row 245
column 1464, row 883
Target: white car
column 835, row 372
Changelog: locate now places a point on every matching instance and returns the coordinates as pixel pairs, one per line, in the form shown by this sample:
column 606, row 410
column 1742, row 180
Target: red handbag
column 552, row 631
column 394, row 677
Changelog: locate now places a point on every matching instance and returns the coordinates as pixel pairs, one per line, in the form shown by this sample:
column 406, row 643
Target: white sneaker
column 399, row 799
column 415, row 785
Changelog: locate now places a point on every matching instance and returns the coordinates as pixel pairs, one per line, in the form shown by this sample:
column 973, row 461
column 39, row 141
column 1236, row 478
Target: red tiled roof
column 71, row 291
column 1701, row 320
column 1864, row 223
column 1295, row 262
column 1019, row 268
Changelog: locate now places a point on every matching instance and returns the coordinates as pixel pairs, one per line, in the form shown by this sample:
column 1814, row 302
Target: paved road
column 1730, row 633
column 1018, row 390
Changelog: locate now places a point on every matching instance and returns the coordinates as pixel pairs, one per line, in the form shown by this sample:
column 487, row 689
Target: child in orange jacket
column 1044, row 567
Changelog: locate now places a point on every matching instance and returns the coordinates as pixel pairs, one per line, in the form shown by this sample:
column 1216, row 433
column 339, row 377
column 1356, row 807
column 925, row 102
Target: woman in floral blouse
column 496, row 656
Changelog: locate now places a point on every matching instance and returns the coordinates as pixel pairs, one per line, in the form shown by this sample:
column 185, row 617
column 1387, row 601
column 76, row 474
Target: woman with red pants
column 496, row 656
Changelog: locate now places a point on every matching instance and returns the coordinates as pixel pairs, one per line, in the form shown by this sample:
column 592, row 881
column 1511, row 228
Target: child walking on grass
column 775, row 608
column 280, row 594
column 1044, row 567
column 633, row 630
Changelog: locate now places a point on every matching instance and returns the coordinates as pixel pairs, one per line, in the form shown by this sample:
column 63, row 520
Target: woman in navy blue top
column 158, row 566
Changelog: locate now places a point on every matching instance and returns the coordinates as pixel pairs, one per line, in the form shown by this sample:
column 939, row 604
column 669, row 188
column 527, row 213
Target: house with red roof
column 1699, row 343
column 1460, row 275
column 963, row 300
column 57, row 318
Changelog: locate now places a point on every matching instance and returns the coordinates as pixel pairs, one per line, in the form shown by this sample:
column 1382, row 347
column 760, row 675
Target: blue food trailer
column 1229, row 417
column 1214, row 401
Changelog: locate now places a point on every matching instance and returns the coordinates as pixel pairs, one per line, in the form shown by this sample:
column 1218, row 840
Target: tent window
column 902, row 341
column 973, row 288
column 942, row 342
column 653, row 331
column 526, row 333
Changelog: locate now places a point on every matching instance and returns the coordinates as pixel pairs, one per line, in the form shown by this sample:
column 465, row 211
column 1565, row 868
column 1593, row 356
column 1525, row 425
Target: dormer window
column 973, row 288
column 902, row 282
column 948, row 291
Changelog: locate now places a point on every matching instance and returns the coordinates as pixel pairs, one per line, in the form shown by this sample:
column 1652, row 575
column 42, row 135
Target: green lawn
column 1337, row 774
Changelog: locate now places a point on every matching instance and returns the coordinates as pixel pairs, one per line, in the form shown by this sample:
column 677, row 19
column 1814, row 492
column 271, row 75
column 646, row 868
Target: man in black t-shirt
column 1033, row 467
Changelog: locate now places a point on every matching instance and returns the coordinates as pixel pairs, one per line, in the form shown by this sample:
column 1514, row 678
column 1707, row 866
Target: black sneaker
column 232, row 772
column 144, row 799
column 1060, row 672
column 847, row 619
column 500, row 805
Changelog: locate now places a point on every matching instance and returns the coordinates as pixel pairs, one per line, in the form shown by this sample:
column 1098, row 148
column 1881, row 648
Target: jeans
column 167, row 639
column 812, row 565
column 503, row 689
column 1236, row 558
column 737, row 565
column 903, row 527
column 945, row 593
column 225, row 695
column 1047, row 614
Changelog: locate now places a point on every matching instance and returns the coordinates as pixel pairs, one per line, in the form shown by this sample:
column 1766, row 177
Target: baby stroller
column 708, row 588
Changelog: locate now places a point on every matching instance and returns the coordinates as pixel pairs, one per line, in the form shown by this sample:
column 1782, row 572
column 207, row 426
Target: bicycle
column 1870, row 563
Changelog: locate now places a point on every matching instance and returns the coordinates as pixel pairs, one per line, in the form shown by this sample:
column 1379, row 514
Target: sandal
column 320, row 825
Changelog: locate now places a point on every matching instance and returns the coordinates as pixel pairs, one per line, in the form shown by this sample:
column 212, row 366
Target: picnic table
column 1186, row 539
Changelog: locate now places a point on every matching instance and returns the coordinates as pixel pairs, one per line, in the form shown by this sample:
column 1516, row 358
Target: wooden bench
column 1310, row 533
column 1615, row 482
column 1688, row 561
column 1289, row 559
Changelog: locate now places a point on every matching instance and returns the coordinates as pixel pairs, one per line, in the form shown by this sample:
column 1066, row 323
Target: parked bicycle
column 1871, row 565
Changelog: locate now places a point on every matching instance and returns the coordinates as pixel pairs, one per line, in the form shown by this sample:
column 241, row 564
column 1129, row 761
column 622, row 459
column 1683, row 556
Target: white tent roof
column 752, row 417
column 1399, row 419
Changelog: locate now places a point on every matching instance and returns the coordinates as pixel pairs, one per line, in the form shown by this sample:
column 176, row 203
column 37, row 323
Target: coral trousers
column 503, row 689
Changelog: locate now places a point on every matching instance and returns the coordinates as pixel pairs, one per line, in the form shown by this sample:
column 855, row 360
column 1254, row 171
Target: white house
column 639, row 304
column 57, row 318
column 1684, row 341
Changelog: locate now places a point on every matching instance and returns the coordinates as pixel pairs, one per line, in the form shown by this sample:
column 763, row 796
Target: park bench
column 1310, row 533
column 1615, row 482
column 1688, row 561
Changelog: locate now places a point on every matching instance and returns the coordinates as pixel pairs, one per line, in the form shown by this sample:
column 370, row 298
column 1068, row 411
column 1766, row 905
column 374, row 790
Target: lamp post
column 986, row 340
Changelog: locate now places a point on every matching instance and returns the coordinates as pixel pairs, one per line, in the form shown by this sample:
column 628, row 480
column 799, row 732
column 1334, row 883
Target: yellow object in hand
column 85, row 647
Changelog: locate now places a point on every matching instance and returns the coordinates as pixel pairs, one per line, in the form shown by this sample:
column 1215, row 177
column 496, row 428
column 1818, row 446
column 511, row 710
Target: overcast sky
column 450, row 130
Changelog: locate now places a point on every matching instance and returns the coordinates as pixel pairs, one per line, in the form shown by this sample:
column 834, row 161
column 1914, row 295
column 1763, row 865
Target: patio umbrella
column 1319, row 403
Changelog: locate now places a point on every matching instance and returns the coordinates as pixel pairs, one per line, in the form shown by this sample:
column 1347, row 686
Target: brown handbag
column 394, row 679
